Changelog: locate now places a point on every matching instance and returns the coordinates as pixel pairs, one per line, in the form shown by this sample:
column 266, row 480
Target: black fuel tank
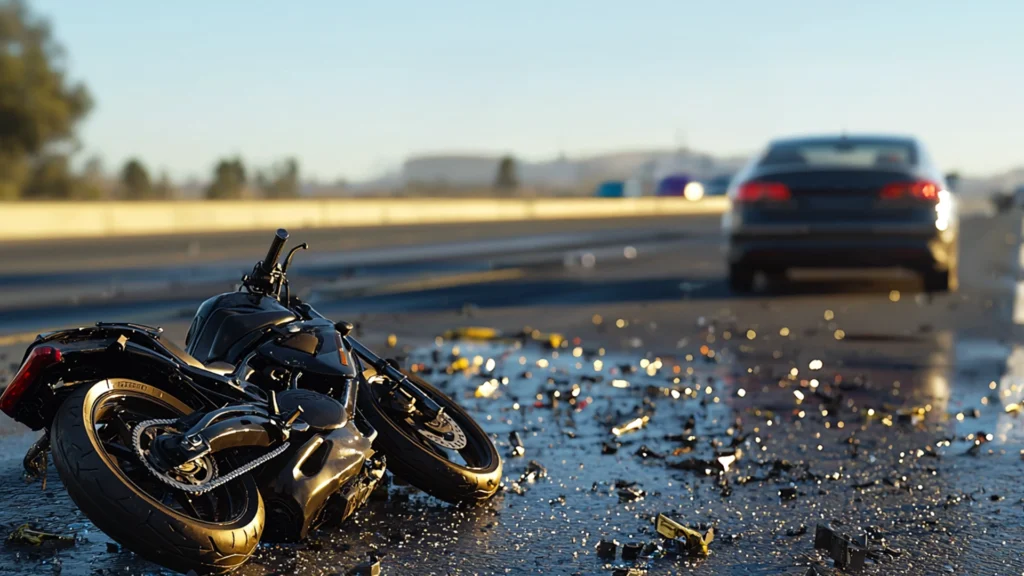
column 316, row 350
column 226, row 326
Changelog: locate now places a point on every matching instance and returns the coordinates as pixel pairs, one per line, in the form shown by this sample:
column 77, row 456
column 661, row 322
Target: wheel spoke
column 119, row 451
column 113, row 430
column 121, row 427
column 186, row 503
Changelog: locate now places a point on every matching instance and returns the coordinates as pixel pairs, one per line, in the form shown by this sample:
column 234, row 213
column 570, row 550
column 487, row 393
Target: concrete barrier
column 45, row 220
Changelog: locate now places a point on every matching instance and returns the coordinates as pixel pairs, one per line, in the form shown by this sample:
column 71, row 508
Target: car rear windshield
column 841, row 153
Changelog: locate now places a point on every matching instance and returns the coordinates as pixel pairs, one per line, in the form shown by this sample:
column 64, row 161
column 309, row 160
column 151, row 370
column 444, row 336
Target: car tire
column 938, row 281
column 741, row 279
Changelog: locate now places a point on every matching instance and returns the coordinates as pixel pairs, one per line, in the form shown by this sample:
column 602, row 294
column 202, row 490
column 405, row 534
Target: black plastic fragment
column 607, row 549
column 645, row 452
column 631, row 550
column 788, row 492
column 516, row 448
column 847, row 554
column 536, row 470
column 371, row 567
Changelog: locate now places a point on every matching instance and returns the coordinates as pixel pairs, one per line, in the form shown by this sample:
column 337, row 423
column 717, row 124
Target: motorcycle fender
column 95, row 354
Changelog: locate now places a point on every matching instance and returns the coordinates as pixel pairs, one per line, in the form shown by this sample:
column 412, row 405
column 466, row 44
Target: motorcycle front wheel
column 91, row 438
column 468, row 472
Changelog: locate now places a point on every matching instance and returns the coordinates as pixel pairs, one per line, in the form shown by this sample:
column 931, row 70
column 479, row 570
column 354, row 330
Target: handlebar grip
column 275, row 250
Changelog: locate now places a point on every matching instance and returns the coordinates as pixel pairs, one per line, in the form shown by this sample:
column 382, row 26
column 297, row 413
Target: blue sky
column 353, row 87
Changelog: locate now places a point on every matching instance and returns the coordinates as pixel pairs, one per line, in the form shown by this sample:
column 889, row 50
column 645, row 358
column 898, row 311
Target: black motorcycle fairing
column 297, row 491
column 225, row 327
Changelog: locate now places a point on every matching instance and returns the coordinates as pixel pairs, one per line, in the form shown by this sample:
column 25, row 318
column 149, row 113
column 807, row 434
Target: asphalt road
column 812, row 370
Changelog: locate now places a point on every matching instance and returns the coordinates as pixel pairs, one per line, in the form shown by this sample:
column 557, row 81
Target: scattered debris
column 631, row 494
column 629, row 572
column 371, row 567
column 609, row 447
column 847, row 554
column 979, row 438
column 645, row 452
column 798, row 531
column 607, row 549
column 516, row 445
column 25, row 534
column 651, row 550
column 721, row 464
column 911, row 416
column 534, row 471
column 631, row 551
column 693, row 541
column 788, row 492
column 631, row 426
column 472, row 333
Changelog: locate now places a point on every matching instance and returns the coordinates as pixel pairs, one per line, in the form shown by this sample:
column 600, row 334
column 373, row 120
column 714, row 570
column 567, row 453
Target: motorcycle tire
column 116, row 503
column 410, row 459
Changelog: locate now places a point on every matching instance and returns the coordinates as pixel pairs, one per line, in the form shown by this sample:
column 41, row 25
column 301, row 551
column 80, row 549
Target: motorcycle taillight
column 39, row 359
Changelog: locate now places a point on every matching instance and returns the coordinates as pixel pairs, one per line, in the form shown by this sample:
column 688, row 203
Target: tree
column 50, row 179
column 281, row 181
column 14, row 170
column 506, row 178
column 39, row 106
column 228, row 180
column 93, row 183
column 163, row 187
column 135, row 181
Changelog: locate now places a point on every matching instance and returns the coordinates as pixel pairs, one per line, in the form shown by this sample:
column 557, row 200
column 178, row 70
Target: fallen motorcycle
column 271, row 422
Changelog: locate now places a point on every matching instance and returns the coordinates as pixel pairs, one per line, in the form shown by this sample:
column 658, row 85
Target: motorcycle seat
column 222, row 368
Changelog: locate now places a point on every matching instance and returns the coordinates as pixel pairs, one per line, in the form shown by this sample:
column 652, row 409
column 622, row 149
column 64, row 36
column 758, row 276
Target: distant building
column 450, row 170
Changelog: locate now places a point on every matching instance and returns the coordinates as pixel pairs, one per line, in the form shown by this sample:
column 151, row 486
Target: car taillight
column 917, row 190
column 763, row 192
column 38, row 360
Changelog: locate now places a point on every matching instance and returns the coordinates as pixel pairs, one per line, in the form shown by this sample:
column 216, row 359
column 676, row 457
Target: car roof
column 851, row 138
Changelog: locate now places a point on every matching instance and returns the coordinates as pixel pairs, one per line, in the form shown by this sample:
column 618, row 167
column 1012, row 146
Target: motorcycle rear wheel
column 212, row 534
column 424, row 464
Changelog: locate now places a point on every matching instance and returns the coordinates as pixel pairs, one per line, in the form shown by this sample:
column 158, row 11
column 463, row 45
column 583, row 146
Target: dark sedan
column 842, row 202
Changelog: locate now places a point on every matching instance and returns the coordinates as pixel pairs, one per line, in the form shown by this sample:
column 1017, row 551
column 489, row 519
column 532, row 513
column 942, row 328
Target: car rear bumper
column 830, row 251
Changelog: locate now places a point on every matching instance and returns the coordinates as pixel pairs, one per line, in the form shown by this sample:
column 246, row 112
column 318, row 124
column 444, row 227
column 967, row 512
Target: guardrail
column 52, row 220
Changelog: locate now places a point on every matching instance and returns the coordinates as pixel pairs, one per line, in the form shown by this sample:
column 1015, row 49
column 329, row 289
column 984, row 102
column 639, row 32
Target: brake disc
column 457, row 440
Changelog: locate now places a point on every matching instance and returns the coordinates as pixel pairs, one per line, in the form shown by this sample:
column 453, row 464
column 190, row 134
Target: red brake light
column 919, row 190
column 763, row 191
column 38, row 360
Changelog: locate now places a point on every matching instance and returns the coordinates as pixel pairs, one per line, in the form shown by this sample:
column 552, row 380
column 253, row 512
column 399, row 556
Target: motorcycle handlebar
column 275, row 251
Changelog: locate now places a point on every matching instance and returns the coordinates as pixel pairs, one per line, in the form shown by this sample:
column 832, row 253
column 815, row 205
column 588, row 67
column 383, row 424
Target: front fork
column 402, row 389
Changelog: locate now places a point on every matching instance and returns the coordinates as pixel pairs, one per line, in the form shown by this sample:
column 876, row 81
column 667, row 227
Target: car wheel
column 938, row 281
column 741, row 279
